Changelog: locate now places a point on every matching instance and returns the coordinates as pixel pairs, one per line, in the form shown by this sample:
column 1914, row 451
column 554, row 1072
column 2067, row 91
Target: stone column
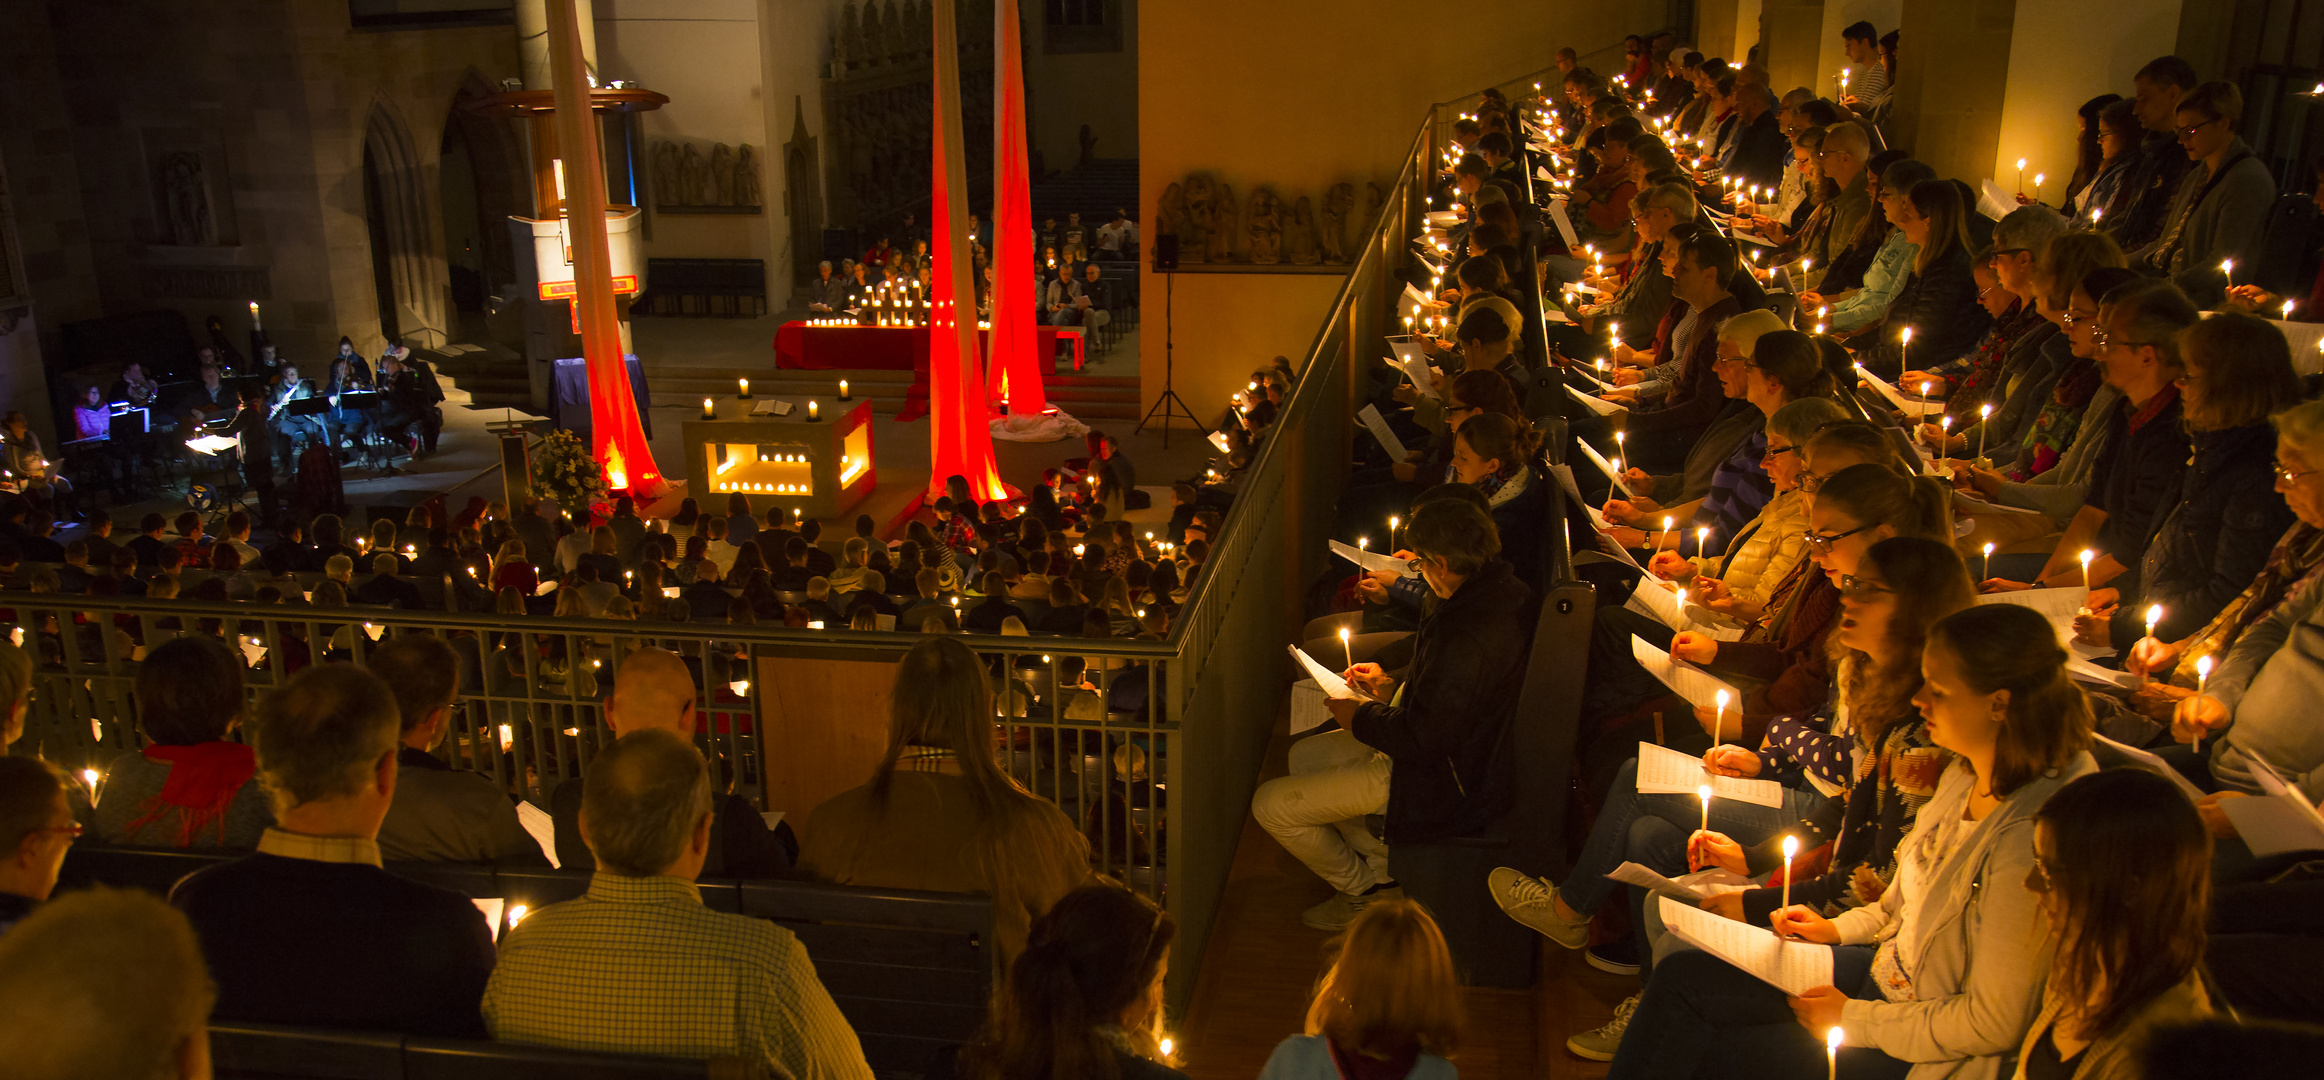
column 2047, row 85
column 1952, row 73
column 1791, row 31
column 1715, row 28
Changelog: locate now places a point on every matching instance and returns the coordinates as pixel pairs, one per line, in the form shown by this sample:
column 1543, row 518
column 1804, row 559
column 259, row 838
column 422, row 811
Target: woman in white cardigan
column 1941, row 976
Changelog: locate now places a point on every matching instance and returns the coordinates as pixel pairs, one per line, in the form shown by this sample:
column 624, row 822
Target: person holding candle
column 2005, row 284
column 1423, row 751
column 2220, row 210
column 2121, row 866
column 2135, row 474
column 1938, row 300
column 1702, row 273
column 1860, row 284
column 2207, row 546
column 1738, row 580
column 1939, row 979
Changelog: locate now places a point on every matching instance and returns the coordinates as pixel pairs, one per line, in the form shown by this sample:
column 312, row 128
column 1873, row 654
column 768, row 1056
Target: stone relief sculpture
column 721, row 176
column 693, row 178
column 1222, row 226
column 1299, row 235
column 1194, row 235
column 667, row 190
column 1266, row 228
column 186, row 199
column 746, row 178
column 1332, row 226
column 1170, row 212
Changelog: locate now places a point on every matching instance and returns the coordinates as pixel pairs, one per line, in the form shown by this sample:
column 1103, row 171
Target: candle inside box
column 797, row 461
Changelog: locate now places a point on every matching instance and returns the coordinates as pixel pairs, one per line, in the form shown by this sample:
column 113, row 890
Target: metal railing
column 1153, row 746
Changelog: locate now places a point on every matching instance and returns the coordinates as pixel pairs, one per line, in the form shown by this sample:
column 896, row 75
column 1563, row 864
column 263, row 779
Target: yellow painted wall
column 2046, row 85
column 1300, row 97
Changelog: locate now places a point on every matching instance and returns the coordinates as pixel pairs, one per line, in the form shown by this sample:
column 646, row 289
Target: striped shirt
column 639, row 966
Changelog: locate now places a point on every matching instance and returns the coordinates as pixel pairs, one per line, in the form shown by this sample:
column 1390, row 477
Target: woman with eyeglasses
column 1941, row 976
column 2039, row 400
column 2121, row 868
column 1738, row 581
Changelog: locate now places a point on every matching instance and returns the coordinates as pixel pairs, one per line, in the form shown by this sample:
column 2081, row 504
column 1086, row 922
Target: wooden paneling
column 826, row 728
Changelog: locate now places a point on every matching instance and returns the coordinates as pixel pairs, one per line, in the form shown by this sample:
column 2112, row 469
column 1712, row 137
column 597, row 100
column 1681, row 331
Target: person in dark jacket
column 1426, row 760
column 986, row 616
column 2136, row 479
column 1701, row 276
column 1939, row 301
column 2237, row 372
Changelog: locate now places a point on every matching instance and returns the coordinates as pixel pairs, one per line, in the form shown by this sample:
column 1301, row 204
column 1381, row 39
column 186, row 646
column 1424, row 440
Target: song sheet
column 1905, row 403
column 1413, row 361
column 1794, row 967
column 2281, row 820
column 1378, row 426
column 1696, row 887
column 1565, row 225
column 1604, row 466
column 1652, row 598
column 1325, row 677
column 1697, row 686
column 1371, row 561
column 1664, row 771
column 543, row 829
column 1595, row 404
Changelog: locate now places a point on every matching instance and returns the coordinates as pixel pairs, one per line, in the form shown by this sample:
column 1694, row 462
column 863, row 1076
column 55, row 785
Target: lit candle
column 1704, row 792
column 709, row 410
column 2227, row 267
column 1348, row 643
column 2037, row 187
column 2021, row 176
column 843, row 395
column 2087, row 555
column 1985, row 562
column 1393, row 521
column 2288, row 310
column 1832, row 1040
column 1790, row 848
column 1702, row 541
column 1984, row 412
column 2202, row 678
column 91, row 777
column 742, row 388
column 2154, row 614
column 1363, row 543
column 1719, row 717
column 813, row 412
column 254, row 325
column 1904, row 351
column 1665, row 537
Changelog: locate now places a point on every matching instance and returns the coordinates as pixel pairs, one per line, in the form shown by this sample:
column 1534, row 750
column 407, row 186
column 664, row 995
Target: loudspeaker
column 1166, row 252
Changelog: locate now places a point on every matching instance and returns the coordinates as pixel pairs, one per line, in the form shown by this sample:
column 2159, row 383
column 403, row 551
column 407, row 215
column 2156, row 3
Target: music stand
column 1169, row 404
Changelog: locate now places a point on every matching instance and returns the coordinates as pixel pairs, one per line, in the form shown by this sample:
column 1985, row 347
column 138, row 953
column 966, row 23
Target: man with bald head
column 1846, row 150
column 639, row 965
column 656, row 690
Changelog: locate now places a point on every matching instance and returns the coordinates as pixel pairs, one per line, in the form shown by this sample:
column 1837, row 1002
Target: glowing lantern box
column 819, row 468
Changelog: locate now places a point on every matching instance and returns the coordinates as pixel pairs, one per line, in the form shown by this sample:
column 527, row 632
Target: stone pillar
column 1791, row 31
column 1950, row 117
column 1715, row 28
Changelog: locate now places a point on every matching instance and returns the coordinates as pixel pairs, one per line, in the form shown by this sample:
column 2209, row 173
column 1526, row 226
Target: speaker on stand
column 1169, row 404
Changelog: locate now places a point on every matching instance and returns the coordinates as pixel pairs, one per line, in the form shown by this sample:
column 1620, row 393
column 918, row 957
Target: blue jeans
column 1703, row 1016
column 1652, row 831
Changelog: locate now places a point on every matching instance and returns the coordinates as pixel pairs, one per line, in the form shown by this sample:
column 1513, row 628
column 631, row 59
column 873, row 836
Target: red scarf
column 203, row 780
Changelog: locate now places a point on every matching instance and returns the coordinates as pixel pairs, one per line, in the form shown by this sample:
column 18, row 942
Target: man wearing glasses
column 440, row 814
column 2222, row 203
column 36, row 829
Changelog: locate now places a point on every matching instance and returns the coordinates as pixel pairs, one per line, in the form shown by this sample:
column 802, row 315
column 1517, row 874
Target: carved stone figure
column 1299, row 235
column 1266, row 228
column 186, row 198
column 1332, row 226
column 693, row 178
column 666, row 174
column 1221, row 248
column 721, row 175
column 746, row 177
column 1194, row 234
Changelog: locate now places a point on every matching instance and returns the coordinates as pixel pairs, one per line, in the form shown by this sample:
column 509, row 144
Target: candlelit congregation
column 1688, row 539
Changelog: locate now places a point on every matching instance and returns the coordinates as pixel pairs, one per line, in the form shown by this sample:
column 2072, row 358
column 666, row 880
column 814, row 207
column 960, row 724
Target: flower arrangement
column 564, row 470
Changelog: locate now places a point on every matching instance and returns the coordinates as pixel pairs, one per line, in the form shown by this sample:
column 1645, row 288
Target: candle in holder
column 813, row 411
column 843, row 395
column 1790, row 848
column 709, row 409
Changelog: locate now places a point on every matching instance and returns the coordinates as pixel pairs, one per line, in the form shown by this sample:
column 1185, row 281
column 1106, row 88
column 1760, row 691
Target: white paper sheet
column 1975, row 507
column 1573, row 492
column 1308, row 711
column 1219, row 439
column 2057, row 605
column 1697, row 686
column 2281, row 820
column 2154, row 764
column 1794, row 967
column 1409, row 305
column 1442, row 219
column 543, row 829
column 1696, row 887
column 1604, row 466
column 771, row 817
column 1915, row 407
column 1412, row 359
column 1565, row 225
column 1326, row 678
column 1664, row 771
column 1591, row 376
column 491, row 907
column 884, row 622
column 1595, row 404
column 1993, row 202
column 2307, row 342
column 2081, row 670
column 1585, row 288
column 1371, row 561
column 1378, row 426
column 1656, row 600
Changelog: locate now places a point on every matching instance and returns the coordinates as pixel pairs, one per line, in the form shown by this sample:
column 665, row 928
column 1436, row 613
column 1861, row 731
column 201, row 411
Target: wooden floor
column 1261, row 966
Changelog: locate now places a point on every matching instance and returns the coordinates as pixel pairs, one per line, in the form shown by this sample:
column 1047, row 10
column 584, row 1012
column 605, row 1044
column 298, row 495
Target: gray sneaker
column 1334, row 914
column 1533, row 902
column 1600, row 1045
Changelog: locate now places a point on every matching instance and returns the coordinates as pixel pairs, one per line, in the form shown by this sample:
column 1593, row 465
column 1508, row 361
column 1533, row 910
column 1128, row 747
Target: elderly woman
column 1738, row 581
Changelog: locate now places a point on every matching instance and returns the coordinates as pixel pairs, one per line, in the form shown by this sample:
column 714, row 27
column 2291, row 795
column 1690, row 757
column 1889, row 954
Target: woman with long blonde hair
column 1390, row 1007
column 939, row 814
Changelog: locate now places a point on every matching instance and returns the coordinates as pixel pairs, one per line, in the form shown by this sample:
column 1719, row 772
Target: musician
column 29, row 467
column 404, row 407
column 91, row 419
column 136, row 387
column 292, row 433
column 355, row 361
column 208, row 400
column 254, row 445
column 348, row 423
column 430, row 397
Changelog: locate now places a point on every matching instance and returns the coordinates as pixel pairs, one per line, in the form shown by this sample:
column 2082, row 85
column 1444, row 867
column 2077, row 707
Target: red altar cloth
column 800, row 346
